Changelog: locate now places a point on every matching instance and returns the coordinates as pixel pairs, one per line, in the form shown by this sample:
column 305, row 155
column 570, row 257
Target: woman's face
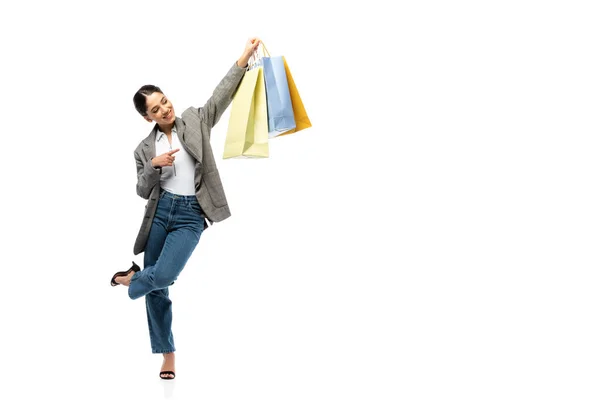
column 159, row 109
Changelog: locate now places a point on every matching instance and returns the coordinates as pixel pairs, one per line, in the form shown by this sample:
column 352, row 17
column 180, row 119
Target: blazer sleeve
column 147, row 176
column 222, row 96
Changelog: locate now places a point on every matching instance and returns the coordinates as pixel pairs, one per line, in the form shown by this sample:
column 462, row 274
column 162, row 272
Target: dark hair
column 139, row 99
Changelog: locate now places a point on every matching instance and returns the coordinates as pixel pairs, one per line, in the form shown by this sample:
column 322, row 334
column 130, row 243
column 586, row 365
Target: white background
column 434, row 235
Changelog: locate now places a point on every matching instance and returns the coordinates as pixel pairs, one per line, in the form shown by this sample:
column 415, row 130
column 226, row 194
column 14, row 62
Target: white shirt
column 178, row 179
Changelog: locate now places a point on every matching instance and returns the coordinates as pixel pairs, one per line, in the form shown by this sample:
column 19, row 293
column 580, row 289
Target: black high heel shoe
column 134, row 267
column 167, row 373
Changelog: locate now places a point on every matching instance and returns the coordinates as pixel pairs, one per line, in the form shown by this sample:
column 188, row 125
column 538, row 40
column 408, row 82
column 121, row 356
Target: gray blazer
column 193, row 130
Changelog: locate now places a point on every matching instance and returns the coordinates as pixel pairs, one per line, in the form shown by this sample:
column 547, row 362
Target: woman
column 177, row 174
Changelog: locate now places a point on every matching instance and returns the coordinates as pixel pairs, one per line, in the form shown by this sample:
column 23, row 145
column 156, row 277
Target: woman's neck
column 166, row 128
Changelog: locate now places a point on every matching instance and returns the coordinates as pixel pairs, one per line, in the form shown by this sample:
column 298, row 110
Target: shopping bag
column 247, row 132
column 300, row 116
column 279, row 103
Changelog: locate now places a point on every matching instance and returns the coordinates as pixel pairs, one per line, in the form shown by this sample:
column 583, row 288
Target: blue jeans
column 175, row 232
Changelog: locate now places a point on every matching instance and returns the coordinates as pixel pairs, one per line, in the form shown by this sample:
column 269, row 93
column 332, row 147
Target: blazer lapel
column 190, row 139
column 149, row 148
column 180, row 126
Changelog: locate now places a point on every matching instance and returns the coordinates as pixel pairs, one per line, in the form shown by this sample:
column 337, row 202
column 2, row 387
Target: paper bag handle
column 257, row 56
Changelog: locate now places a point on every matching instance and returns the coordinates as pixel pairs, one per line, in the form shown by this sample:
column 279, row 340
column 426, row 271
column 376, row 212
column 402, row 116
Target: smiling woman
column 153, row 105
column 183, row 193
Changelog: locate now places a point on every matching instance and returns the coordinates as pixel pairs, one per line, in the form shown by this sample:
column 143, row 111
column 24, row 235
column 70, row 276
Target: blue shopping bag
column 279, row 103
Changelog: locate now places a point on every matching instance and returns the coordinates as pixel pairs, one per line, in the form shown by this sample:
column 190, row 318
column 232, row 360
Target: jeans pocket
column 194, row 206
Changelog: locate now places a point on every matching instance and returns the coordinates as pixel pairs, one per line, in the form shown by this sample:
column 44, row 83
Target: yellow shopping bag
column 247, row 132
column 302, row 121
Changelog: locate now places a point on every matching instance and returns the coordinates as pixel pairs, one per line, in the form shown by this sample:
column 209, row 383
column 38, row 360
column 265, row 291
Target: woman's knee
column 164, row 280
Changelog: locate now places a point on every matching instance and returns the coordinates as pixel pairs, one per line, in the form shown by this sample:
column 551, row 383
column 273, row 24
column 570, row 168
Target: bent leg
column 176, row 251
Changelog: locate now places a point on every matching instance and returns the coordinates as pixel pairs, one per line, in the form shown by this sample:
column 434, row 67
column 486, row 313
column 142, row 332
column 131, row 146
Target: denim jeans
column 175, row 232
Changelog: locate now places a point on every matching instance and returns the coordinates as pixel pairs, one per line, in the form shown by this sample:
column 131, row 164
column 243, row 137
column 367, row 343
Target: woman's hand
column 251, row 45
column 164, row 160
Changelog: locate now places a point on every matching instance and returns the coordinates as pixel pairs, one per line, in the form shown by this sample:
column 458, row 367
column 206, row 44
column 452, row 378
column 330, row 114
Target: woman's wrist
column 242, row 62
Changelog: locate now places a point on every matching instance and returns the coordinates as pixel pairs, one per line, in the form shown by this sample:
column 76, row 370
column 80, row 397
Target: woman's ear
column 147, row 118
